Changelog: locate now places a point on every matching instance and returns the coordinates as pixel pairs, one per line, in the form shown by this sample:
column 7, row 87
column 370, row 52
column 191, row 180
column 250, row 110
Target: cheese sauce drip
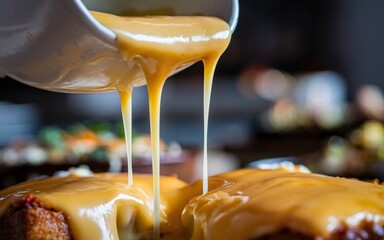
column 104, row 207
column 125, row 93
column 161, row 45
column 249, row 203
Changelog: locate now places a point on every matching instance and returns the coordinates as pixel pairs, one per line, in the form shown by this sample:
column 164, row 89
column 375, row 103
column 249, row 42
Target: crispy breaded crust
column 30, row 220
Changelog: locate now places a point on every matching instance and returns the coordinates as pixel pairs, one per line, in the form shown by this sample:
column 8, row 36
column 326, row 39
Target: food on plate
column 243, row 204
column 279, row 204
column 102, row 206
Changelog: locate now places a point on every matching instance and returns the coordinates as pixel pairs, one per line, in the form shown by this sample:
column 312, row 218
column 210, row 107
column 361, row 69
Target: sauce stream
column 161, row 45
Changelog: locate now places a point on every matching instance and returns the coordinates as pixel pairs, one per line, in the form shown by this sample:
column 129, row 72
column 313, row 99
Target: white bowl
column 57, row 45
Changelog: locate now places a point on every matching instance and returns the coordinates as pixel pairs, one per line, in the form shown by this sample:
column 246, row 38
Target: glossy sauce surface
column 243, row 204
column 103, row 206
column 160, row 46
column 250, row 203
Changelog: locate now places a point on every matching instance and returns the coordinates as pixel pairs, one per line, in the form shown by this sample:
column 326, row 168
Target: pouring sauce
column 160, row 46
column 273, row 200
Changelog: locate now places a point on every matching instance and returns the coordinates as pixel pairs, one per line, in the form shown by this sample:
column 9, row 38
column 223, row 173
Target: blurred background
column 301, row 81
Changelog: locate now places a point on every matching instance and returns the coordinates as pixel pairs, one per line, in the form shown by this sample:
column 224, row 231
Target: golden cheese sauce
column 104, row 207
column 243, row 204
column 250, row 203
column 161, row 45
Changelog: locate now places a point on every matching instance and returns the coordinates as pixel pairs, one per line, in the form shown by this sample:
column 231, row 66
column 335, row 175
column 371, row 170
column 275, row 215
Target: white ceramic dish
column 59, row 46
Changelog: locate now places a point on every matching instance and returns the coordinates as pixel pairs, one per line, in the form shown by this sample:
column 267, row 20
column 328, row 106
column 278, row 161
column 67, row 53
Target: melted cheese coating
column 250, row 203
column 244, row 204
column 104, row 207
